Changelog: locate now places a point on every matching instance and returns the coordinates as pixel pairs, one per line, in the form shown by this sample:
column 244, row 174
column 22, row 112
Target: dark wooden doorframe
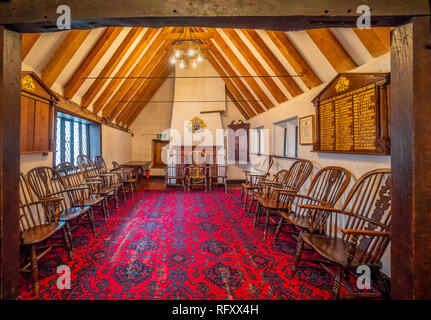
column 10, row 111
column 411, row 159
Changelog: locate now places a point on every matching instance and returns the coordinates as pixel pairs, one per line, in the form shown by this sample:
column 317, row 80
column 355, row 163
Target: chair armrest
column 365, row 232
column 43, row 201
column 106, row 174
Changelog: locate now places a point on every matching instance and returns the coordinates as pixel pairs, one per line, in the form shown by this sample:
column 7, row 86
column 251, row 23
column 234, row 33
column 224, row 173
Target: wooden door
column 27, row 124
column 158, row 146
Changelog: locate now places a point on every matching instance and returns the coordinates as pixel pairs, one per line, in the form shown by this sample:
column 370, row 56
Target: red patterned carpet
column 175, row 245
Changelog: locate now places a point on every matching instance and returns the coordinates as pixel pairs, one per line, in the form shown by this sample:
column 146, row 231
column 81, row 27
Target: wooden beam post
column 10, row 112
column 411, row 160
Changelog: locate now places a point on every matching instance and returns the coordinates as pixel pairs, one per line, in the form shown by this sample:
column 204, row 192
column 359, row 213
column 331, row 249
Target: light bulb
column 182, row 65
column 191, row 52
column 199, row 58
column 194, row 64
column 173, row 60
column 177, row 53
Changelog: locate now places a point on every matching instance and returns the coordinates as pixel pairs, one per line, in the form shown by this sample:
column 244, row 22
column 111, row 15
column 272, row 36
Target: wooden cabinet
column 158, row 146
column 238, row 142
column 37, row 115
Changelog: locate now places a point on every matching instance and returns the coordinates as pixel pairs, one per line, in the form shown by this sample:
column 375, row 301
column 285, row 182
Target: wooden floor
column 159, row 184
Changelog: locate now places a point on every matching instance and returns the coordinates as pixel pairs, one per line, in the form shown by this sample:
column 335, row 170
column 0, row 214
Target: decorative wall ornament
column 27, row 83
column 342, row 84
column 196, row 124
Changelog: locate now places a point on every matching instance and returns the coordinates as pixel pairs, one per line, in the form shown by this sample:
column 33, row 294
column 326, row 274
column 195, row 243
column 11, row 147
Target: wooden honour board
column 353, row 115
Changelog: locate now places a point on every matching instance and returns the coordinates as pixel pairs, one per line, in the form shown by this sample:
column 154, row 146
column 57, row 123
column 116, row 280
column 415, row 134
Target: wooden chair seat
column 72, row 213
column 299, row 221
column 246, row 185
column 93, row 200
column 107, row 190
column 335, row 250
column 40, row 233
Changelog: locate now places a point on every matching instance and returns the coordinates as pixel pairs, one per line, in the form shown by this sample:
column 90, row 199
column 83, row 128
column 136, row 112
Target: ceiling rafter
column 148, row 95
column 236, row 103
column 62, row 55
column 332, row 49
column 154, row 69
column 384, row 34
column 244, row 106
column 28, row 41
column 371, row 41
column 235, row 79
column 295, row 59
column 99, row 49
column 231, row 56
column 272, row 61
column 109, row 68
column 257, row 67
column 196, row 35
column 123, row 70
column 142, row 69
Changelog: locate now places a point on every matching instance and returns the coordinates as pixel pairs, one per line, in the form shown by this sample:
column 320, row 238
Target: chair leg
column 34, row 270
column 105, row 211
column 279, row 227
column 337, row 283
column 132, row 190
column 246, row 199
column 242, row 194
column 124, row 192
column 67, row 242
column 257, row 214
column 69, row 235
column 298, row 255
column 251, row 203
column 225, row 185
column 116, row 198
column 91, row 219
column 383, row 287
column 268, row 211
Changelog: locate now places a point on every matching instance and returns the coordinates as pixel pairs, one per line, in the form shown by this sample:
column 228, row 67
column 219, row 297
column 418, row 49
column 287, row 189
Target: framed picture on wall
column 306, row 129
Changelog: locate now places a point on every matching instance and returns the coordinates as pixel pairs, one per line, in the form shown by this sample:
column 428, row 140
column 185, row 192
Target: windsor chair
column 73, row 178
column 111, row 178
column 126, row 177
column 357, row 235
column 218, row 172
column 38, row 222
column 91, row 173
column 327, row 186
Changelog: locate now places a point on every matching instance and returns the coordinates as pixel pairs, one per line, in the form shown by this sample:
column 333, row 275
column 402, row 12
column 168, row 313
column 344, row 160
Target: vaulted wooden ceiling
column 113, row 71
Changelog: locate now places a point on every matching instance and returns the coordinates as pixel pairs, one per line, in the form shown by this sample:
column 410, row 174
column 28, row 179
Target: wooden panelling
column 96, row 53
column 332, row 49
column 294, row 58
column 28, row 41
column 27, row 123
column 257, row 67
column 110, row 66
column 62, row 55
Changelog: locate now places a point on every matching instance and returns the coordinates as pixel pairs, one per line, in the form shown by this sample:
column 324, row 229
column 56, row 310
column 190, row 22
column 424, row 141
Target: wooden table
column 138, row 165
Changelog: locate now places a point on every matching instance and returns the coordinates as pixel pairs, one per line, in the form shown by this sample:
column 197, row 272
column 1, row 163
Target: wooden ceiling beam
column 130, row 86
column 195, row 35
column 229, row 84
column 295, row 59
column 148, row 95
column 87, row 66
column 242, row 70
column 154, row 52
column 28, row 41
column 384, row 34
column 109, row 68
column 237, row 105
column 272, row 61
column 371, row 41
column 234, row 77
column 256, row 66
column 156, row 71
column 124, row 70
column 332, row 49
column 62, row 55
